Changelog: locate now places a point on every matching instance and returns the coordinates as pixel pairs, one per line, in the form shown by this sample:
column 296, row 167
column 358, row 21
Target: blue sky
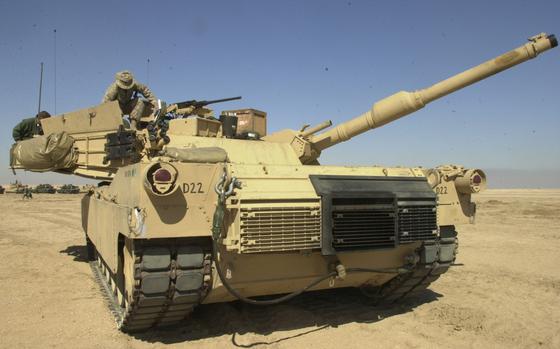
column 302, row 62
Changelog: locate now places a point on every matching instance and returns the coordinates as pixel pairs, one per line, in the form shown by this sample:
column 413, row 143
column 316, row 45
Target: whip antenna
column 148, row 72
column 40, row 89
column 54, row 71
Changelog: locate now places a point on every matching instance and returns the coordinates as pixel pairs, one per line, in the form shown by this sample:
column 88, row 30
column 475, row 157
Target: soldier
column 125, row 89
column 28, row 128
column 27, row 193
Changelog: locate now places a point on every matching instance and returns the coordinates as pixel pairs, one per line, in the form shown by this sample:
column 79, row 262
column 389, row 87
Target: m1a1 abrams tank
column 44, row 189
column 192, row 211
column 68, row 189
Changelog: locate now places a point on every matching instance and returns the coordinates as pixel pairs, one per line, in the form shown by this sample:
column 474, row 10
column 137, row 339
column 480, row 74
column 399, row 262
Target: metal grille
column 363, row 223
column 278, row 229
column 417, row 223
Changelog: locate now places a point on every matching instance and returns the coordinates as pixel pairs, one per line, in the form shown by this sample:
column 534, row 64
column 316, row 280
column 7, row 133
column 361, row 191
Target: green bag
column 44, row 153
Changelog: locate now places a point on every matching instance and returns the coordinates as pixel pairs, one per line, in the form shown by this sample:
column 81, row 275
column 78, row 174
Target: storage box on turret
column 195, row 126
column 249, row 121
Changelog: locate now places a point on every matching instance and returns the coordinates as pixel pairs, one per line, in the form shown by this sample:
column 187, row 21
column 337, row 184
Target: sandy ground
column 506, row 294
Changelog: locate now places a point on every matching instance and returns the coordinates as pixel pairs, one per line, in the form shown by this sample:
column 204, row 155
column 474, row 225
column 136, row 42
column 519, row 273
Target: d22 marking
column 193, row 188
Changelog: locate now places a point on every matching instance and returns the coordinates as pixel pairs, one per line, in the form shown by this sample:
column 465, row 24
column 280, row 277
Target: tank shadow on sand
column 319, row 310
column 79, row 252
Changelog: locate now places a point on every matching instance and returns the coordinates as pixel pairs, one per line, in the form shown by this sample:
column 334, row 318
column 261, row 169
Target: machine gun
column 199, row 104
column 196, row 107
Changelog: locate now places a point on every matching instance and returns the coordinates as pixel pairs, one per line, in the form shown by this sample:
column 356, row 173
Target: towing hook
column 224, row 190
column 234, row 184
column 219, row 188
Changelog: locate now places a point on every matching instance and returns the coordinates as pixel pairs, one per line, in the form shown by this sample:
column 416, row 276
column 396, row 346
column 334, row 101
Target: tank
column 44, row 189
column 21, row 189
column 2, row 190
column 189, row 211
column 15, row 187
column 68, row 189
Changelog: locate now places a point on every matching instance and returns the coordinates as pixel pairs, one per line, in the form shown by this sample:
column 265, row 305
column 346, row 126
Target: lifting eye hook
column 225, row 190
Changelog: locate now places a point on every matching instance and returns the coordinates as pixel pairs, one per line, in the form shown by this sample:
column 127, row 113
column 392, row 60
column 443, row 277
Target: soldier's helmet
column 43, row 115
column 124, row 79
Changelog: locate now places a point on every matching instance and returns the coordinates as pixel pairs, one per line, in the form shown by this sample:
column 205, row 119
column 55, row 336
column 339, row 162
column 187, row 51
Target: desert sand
column 505, row 293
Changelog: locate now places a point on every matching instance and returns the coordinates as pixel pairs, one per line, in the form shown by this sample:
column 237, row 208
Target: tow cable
column 224, row 191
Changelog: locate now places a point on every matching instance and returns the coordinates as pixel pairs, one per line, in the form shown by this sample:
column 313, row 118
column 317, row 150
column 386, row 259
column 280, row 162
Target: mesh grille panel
column 363, row 223
column 417, row 223
column 277, row 229
column 370, row 223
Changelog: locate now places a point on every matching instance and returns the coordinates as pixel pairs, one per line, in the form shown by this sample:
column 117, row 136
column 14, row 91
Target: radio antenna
column 40, row 89
column 148, row 72
column 54, row 71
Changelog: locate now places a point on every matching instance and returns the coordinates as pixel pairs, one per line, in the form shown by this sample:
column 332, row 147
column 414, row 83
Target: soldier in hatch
column 125, row 89
column 28, row 128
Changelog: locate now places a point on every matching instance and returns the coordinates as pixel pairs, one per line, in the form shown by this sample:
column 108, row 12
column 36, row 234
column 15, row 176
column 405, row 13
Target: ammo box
column 196, row 127
column 249, row 120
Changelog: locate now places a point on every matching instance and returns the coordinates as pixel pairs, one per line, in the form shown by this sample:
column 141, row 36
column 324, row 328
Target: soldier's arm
column 147, row 93
column 110, row 94
column 18, row 132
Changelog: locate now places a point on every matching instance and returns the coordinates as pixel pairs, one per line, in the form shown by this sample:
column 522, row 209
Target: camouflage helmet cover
column 124, row 79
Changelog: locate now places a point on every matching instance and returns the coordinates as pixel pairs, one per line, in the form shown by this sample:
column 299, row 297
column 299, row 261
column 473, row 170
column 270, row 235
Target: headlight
column 472, row 181
column 160, row 179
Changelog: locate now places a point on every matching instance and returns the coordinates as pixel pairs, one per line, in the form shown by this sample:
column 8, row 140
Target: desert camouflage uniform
column 128, row 98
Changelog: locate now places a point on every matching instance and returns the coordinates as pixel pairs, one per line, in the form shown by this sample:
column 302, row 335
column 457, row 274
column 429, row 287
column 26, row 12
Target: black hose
column 292, row 295
column 262, row 302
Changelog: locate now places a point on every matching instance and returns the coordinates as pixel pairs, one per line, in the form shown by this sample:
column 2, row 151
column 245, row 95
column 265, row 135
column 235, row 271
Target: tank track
column 410, row 284
column 168, row 282
column 435, row 259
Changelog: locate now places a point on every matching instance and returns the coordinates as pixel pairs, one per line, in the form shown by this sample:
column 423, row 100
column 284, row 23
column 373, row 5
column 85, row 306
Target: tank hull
column 126, row 211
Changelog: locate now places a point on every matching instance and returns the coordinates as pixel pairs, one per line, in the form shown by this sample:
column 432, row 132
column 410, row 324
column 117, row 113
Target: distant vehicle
column 20, row 189
column 15, row 187
column 2, row 190
column 68, row 189
column 44, row 189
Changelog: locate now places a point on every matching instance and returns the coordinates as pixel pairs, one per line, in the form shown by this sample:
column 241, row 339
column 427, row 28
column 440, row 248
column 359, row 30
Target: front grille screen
column 363, row 223
column 417, row 223
column 371, row 223
column 279, row 229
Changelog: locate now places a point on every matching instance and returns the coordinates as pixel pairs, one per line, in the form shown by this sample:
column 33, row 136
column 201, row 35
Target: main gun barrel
column 403, row 103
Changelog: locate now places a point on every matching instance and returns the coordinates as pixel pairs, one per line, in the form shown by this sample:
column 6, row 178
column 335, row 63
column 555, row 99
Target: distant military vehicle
column 2, row 190
column 44, row 189
column 20, row 189
column 68, row 189
column 195, row 210
column 15, row 187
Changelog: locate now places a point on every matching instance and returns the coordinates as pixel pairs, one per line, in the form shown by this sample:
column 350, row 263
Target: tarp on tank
column 200, row 155
column 44, row 153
